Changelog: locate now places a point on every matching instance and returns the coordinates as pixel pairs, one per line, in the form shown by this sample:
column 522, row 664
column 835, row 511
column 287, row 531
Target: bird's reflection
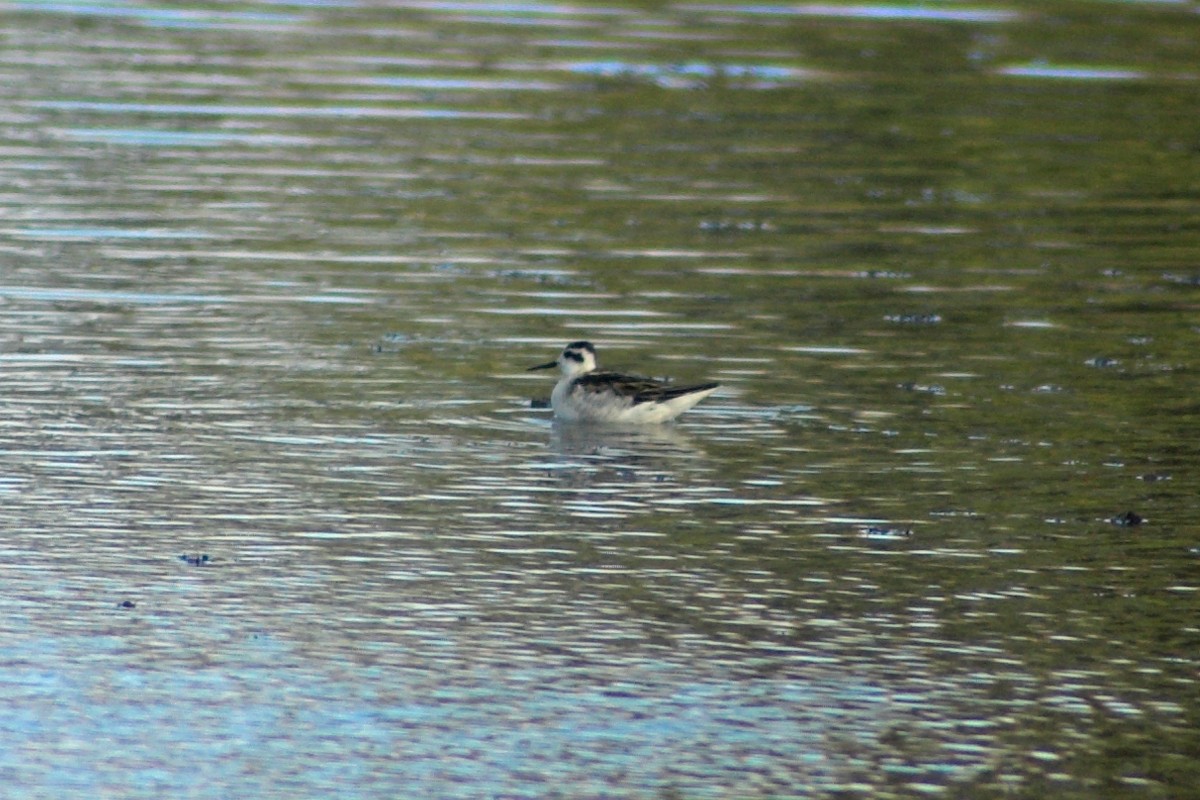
column 633, row 460
column 610, row 471
column 633, row 442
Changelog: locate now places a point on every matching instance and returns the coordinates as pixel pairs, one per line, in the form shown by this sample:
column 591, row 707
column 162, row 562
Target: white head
column 575, row 359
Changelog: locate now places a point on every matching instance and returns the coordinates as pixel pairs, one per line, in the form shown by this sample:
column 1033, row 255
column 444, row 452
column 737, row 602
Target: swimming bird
column 584, row 394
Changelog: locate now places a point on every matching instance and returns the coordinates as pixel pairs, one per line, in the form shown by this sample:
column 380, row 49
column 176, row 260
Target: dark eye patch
column 573, row 355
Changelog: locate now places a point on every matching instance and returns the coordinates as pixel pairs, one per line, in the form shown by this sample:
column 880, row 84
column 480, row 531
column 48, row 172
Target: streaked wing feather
column 635, row 388
column 664, row 393
column 624, row 385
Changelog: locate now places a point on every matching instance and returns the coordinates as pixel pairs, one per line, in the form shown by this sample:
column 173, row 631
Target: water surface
column 282, row 517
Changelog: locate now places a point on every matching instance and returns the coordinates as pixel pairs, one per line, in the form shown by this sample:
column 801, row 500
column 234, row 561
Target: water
column 281, row 517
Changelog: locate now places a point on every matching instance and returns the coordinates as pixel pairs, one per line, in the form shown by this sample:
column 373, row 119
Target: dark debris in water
column 1109, row 592
column 127, row 604
column 914, row 319
column 545, row 277
column 882, row 533
column 735, row 225
column 1102, row 362
column 1186, row 280
column 392, row 343
column 197, row 560
column 1154, row 477
column 925, row 388
column 1128, row 520
column 882, row 275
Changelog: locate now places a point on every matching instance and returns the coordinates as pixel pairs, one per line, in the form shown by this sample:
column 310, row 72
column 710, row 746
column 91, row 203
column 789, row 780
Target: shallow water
column 284, row 518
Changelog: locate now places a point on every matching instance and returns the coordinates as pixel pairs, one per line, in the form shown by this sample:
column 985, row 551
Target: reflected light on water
column 177, row 109
column 1072, row 72
column 281, row 513
column 897, row 11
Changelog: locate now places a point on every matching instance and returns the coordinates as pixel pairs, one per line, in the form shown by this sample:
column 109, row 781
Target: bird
column 585, row 394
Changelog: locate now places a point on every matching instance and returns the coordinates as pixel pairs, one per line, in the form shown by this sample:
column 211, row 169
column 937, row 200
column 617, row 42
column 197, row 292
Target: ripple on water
column 883, row 12
column 693, row 74
column 228, row 110
column 149, row 137
column 1075, row 72
column 250, row 314
column 168, row 18
column 650, row 725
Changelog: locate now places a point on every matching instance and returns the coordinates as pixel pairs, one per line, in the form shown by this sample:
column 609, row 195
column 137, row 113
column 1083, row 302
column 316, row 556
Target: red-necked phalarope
column 583, row 394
